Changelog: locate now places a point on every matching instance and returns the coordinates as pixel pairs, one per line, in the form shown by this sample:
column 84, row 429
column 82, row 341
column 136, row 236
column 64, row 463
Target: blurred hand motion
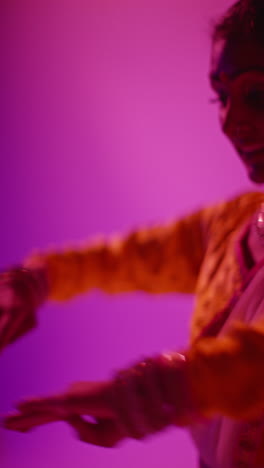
column 136, row 403
column 21, row 292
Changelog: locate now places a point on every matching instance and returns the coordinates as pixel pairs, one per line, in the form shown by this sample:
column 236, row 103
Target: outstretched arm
column 173, row 389
column 215, row 376
column 156, row 260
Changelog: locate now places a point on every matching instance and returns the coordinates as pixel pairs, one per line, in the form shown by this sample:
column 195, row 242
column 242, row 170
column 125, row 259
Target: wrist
column 32, row 281
column 173, row 371
column 153, row 394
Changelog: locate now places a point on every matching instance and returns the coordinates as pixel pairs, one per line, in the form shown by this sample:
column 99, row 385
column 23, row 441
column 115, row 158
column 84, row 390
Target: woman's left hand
column 139, row 401
column 92, row 399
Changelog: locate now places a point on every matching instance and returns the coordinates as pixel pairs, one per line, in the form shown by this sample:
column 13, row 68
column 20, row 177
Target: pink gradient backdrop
column 106, row 126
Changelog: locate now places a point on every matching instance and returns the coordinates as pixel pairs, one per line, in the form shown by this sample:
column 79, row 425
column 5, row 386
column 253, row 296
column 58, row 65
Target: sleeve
column 158, row 259
column 226, row 373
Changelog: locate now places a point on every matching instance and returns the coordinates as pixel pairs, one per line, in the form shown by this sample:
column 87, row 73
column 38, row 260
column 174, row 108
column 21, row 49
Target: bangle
column 177, row 392
column 143, row 401
column 131, row 417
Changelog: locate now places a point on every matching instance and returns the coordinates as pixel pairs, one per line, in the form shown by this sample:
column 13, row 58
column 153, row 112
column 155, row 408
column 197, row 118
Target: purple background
column 106, row 126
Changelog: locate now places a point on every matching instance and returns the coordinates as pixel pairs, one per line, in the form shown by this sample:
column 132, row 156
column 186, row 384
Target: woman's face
column 237, row 79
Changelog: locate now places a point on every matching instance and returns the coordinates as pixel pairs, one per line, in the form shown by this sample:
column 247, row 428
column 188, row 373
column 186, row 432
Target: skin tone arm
column 153, row 260
column 216, row 376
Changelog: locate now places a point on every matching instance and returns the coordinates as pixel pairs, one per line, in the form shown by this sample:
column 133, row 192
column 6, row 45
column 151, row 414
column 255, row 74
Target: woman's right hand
column 21, row 292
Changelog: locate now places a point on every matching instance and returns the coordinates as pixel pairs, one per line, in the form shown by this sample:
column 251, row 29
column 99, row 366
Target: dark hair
column 243, row 21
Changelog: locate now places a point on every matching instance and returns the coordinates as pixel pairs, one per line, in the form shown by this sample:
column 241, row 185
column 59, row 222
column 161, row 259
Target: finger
column 94, row 401
column 36, row 408
column 92, row 398
column 25, row 422
column 104, row 433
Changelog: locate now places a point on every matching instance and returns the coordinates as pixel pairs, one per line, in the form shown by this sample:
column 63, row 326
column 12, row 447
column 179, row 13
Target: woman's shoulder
column 233, row 211
column 245, row 202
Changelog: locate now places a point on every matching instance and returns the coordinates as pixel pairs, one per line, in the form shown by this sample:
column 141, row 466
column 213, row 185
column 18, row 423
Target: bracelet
column 142, row 401
column 131, row 418
column 174, row 367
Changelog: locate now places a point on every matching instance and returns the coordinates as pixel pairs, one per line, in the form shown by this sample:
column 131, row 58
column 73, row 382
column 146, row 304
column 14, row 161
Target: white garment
column 217, row 440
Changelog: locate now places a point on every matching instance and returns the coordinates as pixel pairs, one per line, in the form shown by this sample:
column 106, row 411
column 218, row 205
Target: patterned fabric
column 222, row 441
column 198, row 254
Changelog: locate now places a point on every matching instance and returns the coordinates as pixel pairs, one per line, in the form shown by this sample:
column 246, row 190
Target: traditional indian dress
column 206, row 254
